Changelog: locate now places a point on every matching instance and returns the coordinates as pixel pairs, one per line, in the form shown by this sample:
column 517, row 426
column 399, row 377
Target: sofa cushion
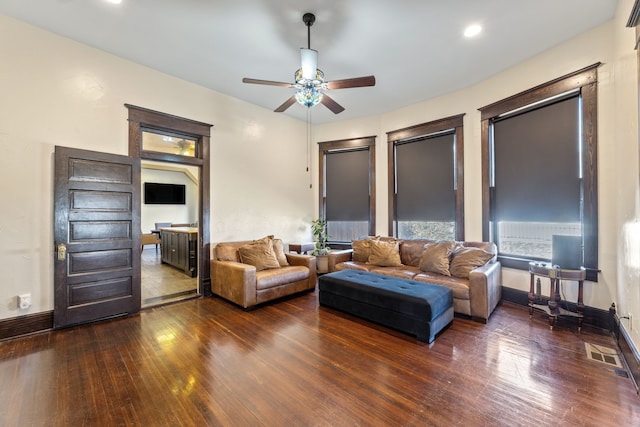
column 435, row 257
column 354, row 265
column 466, row 259
column 404, row 272
column 260, row 254
column 385, row 253
column 278, row 249
column 361, row 249
column 228, row 251
column 271, row 278
column 460, row 287
column 411, row 251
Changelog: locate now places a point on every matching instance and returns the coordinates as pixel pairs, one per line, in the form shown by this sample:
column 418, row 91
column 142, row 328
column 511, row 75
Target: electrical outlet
column 24, row 301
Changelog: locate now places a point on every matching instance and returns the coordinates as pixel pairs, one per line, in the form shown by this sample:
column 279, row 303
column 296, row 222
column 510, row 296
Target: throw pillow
column 361, row 249
column 466, row 259
column 435, row 257
column 260, row 254
column 385, row 253
column 278, row 249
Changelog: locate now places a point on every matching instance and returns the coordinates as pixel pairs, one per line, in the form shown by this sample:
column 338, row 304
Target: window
column 539, row 171
column 347, row 188
column 167, row 138
column 426, row 186
column 168, row 142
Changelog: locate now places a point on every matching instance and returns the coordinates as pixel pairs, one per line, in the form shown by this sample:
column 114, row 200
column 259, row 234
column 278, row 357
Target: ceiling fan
column 309, row 80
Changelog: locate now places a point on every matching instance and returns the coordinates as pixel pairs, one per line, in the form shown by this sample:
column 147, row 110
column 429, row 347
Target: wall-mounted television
column 164, row 194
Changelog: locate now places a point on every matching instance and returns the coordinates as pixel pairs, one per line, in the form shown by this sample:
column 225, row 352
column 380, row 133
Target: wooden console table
column 555, row 275
column 179, row 248
column 301, row 248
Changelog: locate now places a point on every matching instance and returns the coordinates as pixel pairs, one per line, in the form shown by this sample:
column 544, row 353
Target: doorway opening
column 174, row 212
column 169, row 201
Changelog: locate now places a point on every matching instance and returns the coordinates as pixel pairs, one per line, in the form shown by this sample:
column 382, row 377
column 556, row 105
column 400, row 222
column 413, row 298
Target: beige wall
column 54, row 91
column 625, row 188
column 618, row 185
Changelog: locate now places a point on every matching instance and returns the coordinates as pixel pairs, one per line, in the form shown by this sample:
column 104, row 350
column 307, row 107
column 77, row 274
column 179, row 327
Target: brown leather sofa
column 248, row 286
column 476, row 296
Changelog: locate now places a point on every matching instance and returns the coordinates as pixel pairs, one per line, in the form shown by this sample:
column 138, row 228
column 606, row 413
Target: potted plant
column 321, row 249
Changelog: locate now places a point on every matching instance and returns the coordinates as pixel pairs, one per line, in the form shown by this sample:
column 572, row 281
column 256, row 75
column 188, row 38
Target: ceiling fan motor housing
column 308, row 19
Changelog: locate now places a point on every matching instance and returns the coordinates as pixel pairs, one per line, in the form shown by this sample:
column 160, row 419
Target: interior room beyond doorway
column 162, row 282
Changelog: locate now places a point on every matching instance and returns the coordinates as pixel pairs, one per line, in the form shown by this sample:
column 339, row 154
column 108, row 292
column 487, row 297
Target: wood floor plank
column 292, row 363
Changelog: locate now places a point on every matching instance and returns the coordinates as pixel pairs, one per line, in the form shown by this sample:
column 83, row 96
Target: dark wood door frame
column 142, row 118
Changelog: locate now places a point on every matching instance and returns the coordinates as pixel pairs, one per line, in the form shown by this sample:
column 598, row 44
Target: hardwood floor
column 207, row 362
column 162, row 283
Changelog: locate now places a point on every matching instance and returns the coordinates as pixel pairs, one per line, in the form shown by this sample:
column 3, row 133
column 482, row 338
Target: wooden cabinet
column 180, row 248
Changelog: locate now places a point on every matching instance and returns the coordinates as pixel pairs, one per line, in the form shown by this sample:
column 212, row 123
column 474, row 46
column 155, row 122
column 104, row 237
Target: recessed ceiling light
column 114, row 1
column 472, row 30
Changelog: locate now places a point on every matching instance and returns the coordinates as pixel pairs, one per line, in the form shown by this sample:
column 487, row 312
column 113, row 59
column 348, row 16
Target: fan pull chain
column 309, row 147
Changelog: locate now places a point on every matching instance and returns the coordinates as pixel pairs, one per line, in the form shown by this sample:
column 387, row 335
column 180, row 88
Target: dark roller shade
column 537, row 165
column 347, row 185
column 425, row 180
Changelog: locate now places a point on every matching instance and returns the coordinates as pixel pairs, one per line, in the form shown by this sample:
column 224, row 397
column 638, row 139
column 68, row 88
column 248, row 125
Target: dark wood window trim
column 144, row 119
column 634, row 16
column 424, row 129
column 584, row 80
column 367, row 142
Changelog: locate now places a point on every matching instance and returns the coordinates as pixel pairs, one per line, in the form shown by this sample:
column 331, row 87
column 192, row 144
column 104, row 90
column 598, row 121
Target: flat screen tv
column 164, row 194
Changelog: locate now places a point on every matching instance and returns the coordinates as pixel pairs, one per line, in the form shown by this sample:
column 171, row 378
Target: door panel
column 96, row 215
column 99, row 230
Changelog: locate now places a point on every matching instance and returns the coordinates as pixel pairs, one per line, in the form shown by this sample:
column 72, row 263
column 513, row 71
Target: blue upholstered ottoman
column 417, row 308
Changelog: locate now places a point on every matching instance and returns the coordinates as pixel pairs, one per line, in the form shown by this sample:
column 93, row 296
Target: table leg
column 554, row 295
column 580, row 305
column 532, row 296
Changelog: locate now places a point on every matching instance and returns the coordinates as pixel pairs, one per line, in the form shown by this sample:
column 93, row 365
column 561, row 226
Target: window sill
column 523, row 264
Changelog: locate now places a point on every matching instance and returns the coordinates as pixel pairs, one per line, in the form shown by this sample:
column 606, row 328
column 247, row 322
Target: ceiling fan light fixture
column 317, row 80
column 309, row 61
column 308, row 96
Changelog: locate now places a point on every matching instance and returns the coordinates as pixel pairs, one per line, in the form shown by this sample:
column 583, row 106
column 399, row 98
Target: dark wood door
column 97, row 236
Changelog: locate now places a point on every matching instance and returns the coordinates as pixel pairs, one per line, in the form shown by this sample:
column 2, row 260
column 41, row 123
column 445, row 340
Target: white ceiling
column 415, row 48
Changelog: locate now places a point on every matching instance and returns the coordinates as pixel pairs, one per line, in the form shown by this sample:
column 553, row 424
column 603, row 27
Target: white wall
column 176, row 214
column 625, row 188
column 618, row 180
column 54, row 91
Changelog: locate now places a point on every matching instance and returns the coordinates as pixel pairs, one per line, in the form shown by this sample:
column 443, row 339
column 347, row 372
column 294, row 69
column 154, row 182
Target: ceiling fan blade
column 354, row 82
column 266, row 82
column 286, row 104
column 331, row 104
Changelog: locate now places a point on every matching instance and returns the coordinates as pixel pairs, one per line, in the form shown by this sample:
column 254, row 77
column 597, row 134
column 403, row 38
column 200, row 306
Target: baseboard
column 592, row 316
column 27, row 324
column 206, row 287
column 628, row 351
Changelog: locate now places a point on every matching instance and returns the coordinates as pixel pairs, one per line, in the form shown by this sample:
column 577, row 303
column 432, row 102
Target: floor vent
column 621, row 373
column 603, row 354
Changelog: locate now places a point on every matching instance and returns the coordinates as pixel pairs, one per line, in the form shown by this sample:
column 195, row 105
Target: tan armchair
column 247, row 286
column 149, row 239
